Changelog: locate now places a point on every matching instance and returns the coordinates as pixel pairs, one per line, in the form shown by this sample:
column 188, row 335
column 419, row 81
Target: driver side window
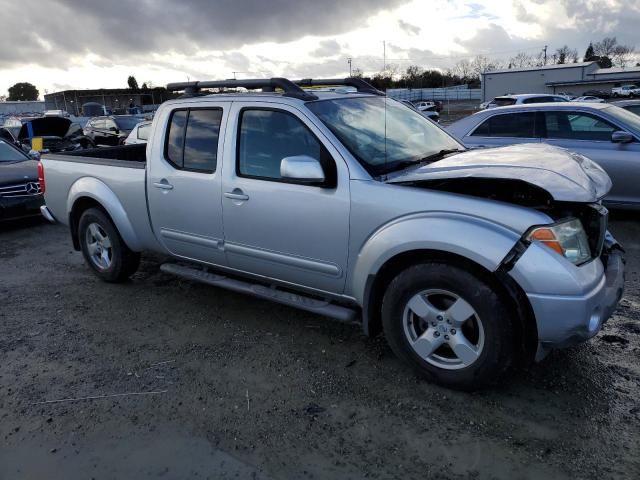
column 268, row 136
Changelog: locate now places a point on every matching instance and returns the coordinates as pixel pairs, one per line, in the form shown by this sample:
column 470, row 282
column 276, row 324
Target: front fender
column 95, row 189
column 477, row 239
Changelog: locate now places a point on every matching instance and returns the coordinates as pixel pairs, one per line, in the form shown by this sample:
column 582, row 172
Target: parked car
column 469, row 261
column 597, row 93
column 567, row 95
column 139, row 134
column 632, row 105
column 606, row 134
column 524, row 98
column 625, row 91
column 20, row 194
column 59, row 134
column 588, row 99
column 430, row 113
column 110, row 130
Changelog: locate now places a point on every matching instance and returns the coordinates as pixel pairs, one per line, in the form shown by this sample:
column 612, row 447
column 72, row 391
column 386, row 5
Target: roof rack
column 358, row 83
column 290, row 88
column 267, row 85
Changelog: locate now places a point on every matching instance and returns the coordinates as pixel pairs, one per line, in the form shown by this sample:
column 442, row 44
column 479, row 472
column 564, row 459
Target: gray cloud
column 409, row 28
column 327, row 48
column 120, row 29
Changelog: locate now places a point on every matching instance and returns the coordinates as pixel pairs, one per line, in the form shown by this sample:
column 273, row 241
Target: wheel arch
column 525, row 326
column 92, row 193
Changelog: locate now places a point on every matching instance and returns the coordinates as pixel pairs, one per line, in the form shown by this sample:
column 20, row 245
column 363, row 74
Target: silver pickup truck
column 351, row 205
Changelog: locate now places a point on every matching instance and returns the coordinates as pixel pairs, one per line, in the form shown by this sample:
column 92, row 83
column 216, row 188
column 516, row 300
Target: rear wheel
column 103, row 247
column 449, row 324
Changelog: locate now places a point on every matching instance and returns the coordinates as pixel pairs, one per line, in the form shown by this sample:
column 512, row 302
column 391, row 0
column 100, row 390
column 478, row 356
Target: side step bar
column 313, row 305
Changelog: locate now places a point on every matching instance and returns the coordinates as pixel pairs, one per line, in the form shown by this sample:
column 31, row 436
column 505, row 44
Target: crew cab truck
column 354, row 206
column 625, row 91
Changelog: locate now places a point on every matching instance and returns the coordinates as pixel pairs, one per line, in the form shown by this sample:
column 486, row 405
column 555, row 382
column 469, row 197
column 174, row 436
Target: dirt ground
column 228, row 386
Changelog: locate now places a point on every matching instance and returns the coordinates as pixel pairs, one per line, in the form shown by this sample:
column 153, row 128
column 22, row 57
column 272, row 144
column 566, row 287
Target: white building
column 575, row 78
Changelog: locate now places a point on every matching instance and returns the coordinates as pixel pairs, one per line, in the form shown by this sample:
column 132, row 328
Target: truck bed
column 131, row 156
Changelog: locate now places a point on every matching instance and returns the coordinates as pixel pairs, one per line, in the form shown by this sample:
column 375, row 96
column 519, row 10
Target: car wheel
column 449, row 324
column 103, row 247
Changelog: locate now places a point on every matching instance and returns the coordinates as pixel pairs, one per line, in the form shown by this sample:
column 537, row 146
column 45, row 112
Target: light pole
column 349, row 62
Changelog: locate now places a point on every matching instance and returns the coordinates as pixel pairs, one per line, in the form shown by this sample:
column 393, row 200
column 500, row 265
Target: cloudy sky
column 63, row 44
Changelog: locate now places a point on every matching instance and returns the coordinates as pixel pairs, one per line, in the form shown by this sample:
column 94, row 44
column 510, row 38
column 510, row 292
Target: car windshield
column 10, row 154
column 127, row 123
column 625, row 116
column 383, row 134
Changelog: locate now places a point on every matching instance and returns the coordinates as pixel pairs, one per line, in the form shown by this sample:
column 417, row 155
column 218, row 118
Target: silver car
column 606, row 134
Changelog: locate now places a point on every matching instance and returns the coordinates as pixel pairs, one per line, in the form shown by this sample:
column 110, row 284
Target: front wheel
column 103, row 248
column 449, row 324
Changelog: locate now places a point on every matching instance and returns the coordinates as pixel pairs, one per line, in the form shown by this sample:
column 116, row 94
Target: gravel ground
column 248, row 389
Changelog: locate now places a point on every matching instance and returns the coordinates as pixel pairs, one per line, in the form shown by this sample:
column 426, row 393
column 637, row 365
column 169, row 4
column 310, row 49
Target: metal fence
column 449, row 93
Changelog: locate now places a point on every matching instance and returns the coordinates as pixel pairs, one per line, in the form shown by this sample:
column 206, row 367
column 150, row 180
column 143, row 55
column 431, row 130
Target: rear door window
column 578, row 126
column 517, row 125
column 504, row 101
column 192, row 140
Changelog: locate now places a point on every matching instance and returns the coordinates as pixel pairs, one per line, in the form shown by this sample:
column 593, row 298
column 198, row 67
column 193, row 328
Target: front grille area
column 28, row 189
column 595, row 219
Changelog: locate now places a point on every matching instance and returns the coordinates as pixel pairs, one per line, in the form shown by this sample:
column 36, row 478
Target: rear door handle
column 163, row 185
column 237, row 194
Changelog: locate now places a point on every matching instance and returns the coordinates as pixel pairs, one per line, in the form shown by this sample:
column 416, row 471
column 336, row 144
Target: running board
column 313, row 305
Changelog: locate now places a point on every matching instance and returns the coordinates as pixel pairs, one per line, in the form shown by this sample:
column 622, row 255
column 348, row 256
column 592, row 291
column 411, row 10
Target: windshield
column 381, row 133
column 631, row 120
column 10, row 154
column 127, row 123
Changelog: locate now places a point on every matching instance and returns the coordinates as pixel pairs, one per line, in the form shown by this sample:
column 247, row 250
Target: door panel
column 289, row 232
column 184, row 183
column 590, row 135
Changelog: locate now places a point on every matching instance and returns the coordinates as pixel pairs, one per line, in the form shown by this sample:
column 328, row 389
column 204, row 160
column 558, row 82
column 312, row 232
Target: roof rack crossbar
column 267, row 85
column 358, row 83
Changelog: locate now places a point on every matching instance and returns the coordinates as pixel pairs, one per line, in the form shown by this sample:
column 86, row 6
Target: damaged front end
column 570, row 269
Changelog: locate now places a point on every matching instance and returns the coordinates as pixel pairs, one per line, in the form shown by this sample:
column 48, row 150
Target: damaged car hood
column 566, row 176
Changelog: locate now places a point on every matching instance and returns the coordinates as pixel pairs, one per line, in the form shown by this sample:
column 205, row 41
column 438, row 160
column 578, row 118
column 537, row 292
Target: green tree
column 589, row 55
column 23, row 91
column 132, row 82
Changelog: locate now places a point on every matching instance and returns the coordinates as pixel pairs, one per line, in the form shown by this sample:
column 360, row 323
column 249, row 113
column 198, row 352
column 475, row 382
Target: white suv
column 523, row 98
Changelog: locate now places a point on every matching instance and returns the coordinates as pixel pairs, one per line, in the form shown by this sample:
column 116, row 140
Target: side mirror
column 302, row 169
column 621, row 137
column 114, row 129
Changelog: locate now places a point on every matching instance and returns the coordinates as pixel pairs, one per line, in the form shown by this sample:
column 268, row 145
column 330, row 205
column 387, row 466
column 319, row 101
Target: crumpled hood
column 566, row 176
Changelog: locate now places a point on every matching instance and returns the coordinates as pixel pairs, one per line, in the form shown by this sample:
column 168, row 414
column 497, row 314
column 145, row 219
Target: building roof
column 614, row 70
column 545, row 67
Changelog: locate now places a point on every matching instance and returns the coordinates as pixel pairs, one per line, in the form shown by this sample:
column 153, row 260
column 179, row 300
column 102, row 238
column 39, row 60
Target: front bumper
column 19, row 207
column 587, row 296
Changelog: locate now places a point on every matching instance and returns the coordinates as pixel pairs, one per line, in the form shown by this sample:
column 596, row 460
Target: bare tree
column 482, row 64
column 522, row 60
column 606, row 47
column 357, row 73
column 565, row 55
column 463, row 69
column 622, row 55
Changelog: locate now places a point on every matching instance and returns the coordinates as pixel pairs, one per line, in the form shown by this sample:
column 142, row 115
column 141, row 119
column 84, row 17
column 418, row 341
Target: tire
column 103, row 248
column 483, row 342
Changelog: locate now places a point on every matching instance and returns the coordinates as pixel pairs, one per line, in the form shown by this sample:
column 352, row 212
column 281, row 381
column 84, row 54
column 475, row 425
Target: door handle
column 163, row 185
column 237, row 194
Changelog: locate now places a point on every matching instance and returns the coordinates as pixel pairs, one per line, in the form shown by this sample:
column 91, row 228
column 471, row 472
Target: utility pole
column 545, row 54
column 384, row 56
column 349, row 62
